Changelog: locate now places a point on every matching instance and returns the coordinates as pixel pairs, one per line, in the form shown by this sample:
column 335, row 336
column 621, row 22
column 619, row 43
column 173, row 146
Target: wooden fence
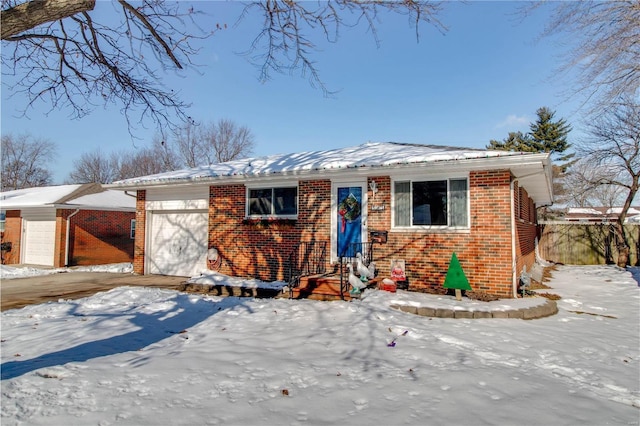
column 585, row 244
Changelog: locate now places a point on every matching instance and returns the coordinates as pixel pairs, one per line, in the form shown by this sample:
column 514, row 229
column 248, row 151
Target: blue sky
column 485, row 77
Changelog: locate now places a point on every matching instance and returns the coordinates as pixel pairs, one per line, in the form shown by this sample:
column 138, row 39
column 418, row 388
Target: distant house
column 600, row 214
column 67, row 225
column 420, row 203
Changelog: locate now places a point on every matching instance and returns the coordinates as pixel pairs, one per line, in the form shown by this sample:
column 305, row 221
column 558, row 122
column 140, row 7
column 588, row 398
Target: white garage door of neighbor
column 178, row 243
column 39, row 241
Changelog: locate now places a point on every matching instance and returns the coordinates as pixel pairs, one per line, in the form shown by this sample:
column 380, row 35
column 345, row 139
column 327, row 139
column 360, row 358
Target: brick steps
column 323, row 287
column 315, row 287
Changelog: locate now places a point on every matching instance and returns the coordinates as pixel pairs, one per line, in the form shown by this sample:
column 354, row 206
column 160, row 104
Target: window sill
column 431, row 230
column 266, row 222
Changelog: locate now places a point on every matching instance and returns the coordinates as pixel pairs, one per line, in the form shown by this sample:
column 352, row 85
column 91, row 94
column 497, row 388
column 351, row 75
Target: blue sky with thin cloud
column 484, row 77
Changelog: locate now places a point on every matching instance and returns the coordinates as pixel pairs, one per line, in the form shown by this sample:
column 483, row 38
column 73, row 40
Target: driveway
column 20, row 292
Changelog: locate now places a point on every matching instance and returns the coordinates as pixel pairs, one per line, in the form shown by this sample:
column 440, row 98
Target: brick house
column 67, row 225
column 420, row 202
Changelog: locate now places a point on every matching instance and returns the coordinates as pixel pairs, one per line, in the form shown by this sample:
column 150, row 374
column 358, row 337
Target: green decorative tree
column 456, row 279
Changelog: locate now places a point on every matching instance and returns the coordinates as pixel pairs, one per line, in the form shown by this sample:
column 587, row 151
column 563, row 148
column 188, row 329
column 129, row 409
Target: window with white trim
column 132, row 233
column 432, row 203
column 272, row 202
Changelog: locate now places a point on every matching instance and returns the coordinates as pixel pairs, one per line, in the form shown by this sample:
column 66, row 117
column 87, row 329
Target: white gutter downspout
column 66, row 248
column 513, row 239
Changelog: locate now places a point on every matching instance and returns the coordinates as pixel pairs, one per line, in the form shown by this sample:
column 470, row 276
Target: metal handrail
column 307, row 258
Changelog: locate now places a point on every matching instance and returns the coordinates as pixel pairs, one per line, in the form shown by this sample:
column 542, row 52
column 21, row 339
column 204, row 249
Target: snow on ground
column 9, row 272
column 208, row 277
column 143, row 356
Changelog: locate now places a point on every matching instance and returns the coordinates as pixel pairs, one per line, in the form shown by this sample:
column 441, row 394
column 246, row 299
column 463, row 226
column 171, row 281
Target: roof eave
column 518, row 164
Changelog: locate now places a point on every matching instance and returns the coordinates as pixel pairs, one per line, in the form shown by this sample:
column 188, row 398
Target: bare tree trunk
column 29, row 15
column 624, row 251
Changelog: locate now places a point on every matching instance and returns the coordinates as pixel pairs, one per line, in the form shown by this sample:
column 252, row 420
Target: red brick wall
column 96, row 237
column 526, row 230
column 139, row 244
column 484, row 252
column 12, row 234
column 261, row 248
column 61, row 238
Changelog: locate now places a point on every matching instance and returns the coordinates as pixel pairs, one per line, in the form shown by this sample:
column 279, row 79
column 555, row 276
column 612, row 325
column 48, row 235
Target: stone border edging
column 547, row 309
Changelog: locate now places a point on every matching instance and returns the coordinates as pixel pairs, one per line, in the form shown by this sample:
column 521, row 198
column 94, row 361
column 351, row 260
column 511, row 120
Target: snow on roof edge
column 368, row 155
column 66, row 196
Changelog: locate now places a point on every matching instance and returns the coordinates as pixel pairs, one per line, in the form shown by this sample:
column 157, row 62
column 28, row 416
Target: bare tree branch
column 152, row 30
column 75, row 61
column 211, row 143
column 603, row 39
column 24, row 162
column 25, row 16
column 105, row 64
column 101, row 168
column 285, row 43
column 613, row 148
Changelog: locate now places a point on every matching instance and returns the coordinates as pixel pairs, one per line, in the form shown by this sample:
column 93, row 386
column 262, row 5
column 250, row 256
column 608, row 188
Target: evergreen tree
column 516, row 141
column 547, row 135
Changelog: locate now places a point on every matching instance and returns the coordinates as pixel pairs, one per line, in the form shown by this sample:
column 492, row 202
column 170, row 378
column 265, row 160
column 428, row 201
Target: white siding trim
column 180, row 198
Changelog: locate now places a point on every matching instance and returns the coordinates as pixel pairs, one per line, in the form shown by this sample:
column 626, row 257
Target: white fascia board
column 98, row 208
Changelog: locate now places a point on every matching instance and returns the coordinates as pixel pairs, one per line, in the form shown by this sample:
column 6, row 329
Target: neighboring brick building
column 67, row 225
column 428, row 201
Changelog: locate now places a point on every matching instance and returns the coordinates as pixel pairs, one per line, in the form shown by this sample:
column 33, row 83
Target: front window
column 433, row 203
column 273, row 202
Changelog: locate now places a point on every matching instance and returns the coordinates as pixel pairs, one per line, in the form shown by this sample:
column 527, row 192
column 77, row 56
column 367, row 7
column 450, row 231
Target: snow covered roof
column 601, row 211
column 371, row 155
column 601, row 214
column 32, row 197
column 583, row 210
column 85, row 196
column 618, row 210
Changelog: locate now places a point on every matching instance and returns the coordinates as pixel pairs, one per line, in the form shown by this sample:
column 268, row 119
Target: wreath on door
column 349, row 210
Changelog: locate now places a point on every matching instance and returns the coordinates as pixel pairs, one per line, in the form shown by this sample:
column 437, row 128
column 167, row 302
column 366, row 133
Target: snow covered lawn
column 141, row 356
column 10, row 272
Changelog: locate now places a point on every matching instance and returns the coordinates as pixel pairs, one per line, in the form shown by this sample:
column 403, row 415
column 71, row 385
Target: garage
column 39, row 230
column 177, row 242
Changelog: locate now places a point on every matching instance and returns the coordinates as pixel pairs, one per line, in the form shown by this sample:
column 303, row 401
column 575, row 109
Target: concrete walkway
column 20, row 292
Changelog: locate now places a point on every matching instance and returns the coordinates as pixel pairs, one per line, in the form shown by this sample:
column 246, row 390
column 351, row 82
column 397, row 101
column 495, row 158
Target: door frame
column 335, row 184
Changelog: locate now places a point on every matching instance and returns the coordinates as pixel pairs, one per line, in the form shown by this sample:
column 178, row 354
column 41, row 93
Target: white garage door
column 178, row 243
column 39, row 241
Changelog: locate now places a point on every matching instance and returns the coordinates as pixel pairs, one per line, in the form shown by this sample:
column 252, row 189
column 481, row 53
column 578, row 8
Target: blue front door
column 349, row 218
